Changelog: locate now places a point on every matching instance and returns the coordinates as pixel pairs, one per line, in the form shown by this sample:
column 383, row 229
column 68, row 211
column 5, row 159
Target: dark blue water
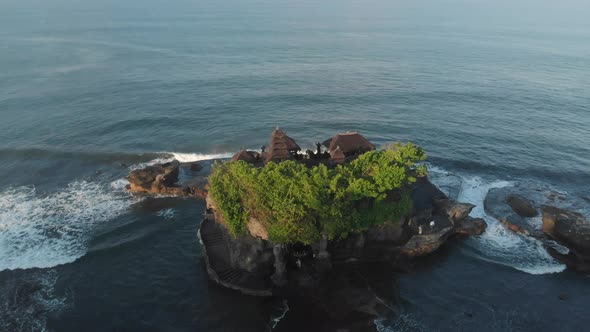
column 497, row 92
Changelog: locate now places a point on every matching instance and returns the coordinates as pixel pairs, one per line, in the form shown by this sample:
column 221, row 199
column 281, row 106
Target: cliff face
column 565, row 234
column 434, row 219
column 331, row 281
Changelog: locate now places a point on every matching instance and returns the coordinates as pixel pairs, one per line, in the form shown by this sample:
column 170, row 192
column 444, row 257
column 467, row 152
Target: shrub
column 299, row 204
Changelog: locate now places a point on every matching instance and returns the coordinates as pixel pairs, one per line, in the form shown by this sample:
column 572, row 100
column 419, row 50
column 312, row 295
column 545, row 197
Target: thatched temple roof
column 247, row 156
column 349, row 143
column 281, row 147
column 337, row 156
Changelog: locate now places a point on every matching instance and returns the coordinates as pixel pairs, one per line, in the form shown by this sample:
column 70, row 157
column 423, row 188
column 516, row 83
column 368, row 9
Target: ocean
column 497, row 92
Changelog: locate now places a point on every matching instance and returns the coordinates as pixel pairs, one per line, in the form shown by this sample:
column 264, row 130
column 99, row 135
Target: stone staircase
column 219, row 267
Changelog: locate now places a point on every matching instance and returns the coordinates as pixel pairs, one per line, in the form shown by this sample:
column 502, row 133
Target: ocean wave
column 136, row 160
column 281, row 312
column 41, row 231
column 101, row 157
column 167, row 214
column 498, row 244
column 183, row 157
column 26, row 301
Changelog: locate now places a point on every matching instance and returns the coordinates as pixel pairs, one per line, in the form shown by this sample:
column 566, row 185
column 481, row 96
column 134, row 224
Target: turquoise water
column 497, row 92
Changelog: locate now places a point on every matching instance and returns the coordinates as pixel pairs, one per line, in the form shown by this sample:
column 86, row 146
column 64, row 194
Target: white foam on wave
column 498, row 244
column 192, row 157
column 182, row 157
column 119, row 184
column 167, row 214
column 47, row 230
column 283, row 310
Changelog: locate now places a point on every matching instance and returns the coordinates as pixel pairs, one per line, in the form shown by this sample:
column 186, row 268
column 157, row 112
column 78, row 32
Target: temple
column 254, row 264
column 341, row 148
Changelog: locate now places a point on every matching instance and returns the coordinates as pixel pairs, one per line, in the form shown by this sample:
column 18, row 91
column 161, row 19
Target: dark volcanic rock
column 495, row 204
column 471, row 226
column 157, row 179
column 569, row 227
column 522, row 206
column 237, row 263
column 454, row 210
column 166, row 174
column 572, row 230
column 344, row 299
column 393, row 232
column 198, row 187
column 428, row 236
column 435, row 219
column 195, row 167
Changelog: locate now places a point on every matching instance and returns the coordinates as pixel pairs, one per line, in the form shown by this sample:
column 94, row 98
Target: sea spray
column 182, row 157
column 498, row 244
column 47, row 230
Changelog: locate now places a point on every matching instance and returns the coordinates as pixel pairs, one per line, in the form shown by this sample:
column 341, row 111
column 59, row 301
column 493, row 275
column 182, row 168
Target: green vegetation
column 298, row 204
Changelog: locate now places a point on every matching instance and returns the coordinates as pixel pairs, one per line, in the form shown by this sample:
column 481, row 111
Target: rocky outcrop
column 454, row 210
column 159, row 179
column 522, row 206
column 257, row 229
column 322, row 281
column 430, row 231
column 496, row 204
column 470, row 226
column 569, row 228
column 197, row 187
column 196, row 167
column 237, row 263
column 388, row 232
column 514, row 209
column 162, row 179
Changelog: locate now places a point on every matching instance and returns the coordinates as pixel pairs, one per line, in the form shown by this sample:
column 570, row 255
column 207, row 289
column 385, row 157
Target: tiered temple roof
column 282, row 147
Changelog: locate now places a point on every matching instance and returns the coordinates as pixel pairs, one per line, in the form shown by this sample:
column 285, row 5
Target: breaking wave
column 183, row 158
column 40, row 231
column 498, row 244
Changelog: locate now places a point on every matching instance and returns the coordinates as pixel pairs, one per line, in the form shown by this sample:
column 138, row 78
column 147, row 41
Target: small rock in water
column 195, row 167
column 522, row 206
column 563, row 296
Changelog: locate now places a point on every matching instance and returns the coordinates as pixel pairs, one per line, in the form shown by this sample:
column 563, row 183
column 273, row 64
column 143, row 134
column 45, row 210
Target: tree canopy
column 299, row 204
